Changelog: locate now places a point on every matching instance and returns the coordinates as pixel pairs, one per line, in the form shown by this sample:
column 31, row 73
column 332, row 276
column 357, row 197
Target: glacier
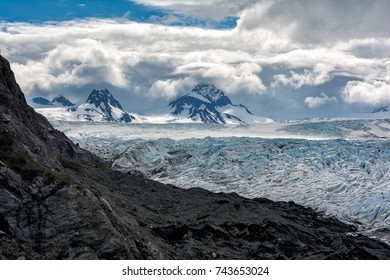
column 338, row 167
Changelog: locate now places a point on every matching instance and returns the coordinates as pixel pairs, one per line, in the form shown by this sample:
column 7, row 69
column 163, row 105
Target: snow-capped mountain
column 208, row 104
column 101, row 106
column 59, row 101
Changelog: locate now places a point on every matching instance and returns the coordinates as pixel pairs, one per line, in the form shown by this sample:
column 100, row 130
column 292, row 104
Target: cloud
column 314, row 102
column 308, row 22
column 82, row 5
column 373, row 92
column 83, row 62
column 257, row 60
column 318, row 22
column 232, row 79
column 202, row 9
column 373, row 48
column 127, row 54
column 318, row 76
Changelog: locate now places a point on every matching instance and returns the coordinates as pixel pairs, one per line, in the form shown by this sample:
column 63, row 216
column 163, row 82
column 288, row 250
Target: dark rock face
column 58, row 201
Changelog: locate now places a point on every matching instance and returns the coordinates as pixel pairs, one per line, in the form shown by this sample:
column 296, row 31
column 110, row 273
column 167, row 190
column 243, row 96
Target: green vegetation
column 69, row 164
column 24, row 164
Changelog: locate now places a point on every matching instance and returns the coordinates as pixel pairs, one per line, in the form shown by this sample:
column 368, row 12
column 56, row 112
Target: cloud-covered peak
column 210, row 92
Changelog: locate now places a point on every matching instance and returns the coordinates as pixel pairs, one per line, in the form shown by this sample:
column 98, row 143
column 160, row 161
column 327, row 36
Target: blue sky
column 60, row 10
column 281, row 58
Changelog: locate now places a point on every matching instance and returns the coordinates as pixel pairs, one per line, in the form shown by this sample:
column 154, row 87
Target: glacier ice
column 340, row 168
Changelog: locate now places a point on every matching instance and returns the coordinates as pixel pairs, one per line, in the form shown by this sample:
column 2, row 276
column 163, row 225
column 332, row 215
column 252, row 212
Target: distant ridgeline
column 203, row 104
column 58, row 101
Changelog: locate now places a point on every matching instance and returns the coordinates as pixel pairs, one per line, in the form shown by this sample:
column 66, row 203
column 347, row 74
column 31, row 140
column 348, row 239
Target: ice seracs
column 208, row 104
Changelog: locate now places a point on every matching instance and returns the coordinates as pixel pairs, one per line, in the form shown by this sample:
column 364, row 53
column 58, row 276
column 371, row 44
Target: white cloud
column 317, row 101
column 169, row 88
column 234, row 77
column 83, row 62
column 373, row 92
column 323, row 22
column 94, row 51
column 318, row 22
column 318, row 76
column 115, row 52
column 152, row 60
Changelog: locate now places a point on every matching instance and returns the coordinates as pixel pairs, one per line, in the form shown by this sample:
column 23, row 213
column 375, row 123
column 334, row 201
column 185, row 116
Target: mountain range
column 99, row 106
column 57, row 101
column 204, row 103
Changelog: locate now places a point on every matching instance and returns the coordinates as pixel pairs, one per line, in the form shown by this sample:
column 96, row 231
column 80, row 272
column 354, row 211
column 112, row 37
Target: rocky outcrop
column 58, row 201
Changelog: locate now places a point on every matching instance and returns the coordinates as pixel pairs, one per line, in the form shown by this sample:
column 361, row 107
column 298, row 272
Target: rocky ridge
column 58, row 201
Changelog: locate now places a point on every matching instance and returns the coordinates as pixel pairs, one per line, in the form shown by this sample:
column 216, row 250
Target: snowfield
column 339, row 167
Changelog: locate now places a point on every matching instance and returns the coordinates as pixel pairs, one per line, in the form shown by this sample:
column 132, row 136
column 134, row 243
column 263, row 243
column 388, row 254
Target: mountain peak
column 102, row 106
column 205, row 86
column 208, row 104
column 63, row 101
column 103, row 97
column 211, row 93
